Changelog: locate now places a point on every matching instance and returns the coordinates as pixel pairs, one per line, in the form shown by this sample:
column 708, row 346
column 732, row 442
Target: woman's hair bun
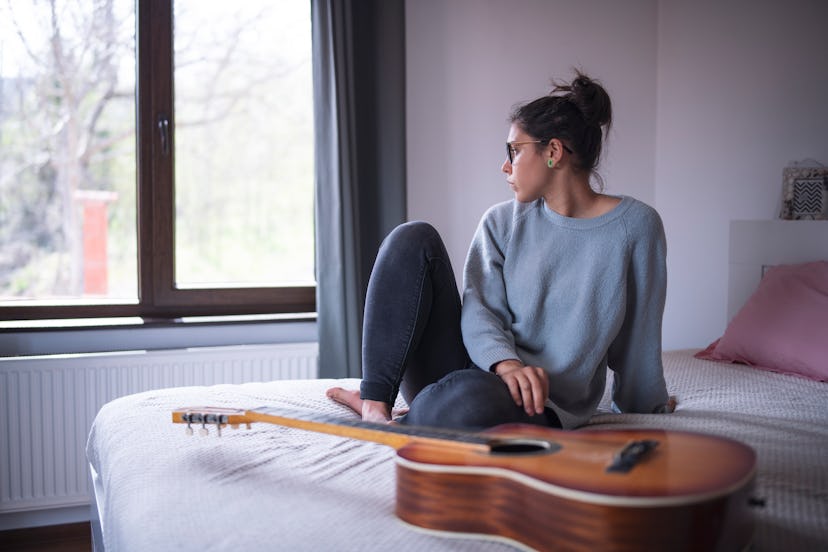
column 589, row 97
column 578, row 113
column 581, row 82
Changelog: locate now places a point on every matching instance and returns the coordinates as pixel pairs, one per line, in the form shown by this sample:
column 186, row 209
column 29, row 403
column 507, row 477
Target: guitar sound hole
column 522, row 447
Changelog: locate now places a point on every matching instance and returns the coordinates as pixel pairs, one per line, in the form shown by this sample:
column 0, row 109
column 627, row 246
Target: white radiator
column 48, row 403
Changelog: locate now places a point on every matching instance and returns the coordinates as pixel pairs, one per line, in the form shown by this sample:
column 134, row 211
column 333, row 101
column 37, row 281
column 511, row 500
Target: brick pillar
column 94, row 204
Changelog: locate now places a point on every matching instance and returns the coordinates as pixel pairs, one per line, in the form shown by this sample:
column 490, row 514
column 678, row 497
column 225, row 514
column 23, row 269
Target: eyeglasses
column 511, row 151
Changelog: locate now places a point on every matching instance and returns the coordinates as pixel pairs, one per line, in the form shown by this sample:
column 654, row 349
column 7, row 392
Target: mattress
column 279, row 488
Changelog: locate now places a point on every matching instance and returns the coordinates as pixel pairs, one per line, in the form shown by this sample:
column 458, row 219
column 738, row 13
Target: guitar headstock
column 210, row 416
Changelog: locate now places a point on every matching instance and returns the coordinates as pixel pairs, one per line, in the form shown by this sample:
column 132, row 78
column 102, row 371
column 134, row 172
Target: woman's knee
column 469, row 399
column 412, row 235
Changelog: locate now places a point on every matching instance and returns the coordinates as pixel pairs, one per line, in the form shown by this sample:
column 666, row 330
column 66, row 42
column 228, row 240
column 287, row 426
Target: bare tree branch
column 22, row 37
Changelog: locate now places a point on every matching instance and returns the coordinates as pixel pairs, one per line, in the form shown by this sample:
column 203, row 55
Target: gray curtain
column 359, row 88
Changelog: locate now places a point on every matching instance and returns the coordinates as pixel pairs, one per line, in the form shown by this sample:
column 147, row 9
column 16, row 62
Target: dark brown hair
column 578, row 113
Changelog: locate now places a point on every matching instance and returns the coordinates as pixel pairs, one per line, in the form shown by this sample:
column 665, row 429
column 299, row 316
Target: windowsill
column 138, row 322
column 45, row 337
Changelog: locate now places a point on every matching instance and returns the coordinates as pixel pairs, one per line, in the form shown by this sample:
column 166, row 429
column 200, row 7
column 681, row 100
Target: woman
column 560, row 283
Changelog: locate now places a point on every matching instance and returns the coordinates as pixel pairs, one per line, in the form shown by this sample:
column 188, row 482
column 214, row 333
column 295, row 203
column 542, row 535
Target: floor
column 72, row 537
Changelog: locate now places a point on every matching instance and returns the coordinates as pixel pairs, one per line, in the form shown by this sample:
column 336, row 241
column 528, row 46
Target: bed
column 271, row 487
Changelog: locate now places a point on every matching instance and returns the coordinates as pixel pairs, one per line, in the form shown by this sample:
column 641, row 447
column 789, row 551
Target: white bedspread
column 276, row 488
column 783, row 417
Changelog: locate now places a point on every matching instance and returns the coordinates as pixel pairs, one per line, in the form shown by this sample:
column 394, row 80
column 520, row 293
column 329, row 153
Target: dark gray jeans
column 412, row 341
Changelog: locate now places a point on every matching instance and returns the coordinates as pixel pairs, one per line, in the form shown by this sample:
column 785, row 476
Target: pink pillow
column 783, row 327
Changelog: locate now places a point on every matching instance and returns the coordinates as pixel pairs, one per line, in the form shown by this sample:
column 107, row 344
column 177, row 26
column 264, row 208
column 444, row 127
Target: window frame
column 158, row 296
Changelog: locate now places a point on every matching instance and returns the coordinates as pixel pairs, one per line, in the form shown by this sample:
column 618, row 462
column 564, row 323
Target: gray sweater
column 573, row 296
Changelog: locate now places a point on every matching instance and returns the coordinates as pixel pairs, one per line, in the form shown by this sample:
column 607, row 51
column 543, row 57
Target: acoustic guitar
column 548, row 489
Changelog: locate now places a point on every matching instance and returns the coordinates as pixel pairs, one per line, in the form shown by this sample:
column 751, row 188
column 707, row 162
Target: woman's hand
column 529, row 385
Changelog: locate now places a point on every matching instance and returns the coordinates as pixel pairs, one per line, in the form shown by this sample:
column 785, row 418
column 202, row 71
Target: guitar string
column 308, row 416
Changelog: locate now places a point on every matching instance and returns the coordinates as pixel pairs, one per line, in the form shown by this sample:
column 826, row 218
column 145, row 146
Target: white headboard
column 758, row 243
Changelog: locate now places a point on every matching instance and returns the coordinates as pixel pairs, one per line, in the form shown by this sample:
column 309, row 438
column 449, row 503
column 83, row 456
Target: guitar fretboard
column 393, row 435
column 412, row 432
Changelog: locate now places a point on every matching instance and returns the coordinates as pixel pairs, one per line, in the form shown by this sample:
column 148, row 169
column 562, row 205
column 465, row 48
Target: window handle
column 164, row 131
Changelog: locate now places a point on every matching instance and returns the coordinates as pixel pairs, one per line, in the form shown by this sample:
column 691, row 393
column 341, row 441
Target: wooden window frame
column 158, row 296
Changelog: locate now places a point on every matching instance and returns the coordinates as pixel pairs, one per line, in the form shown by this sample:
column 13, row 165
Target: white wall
column 470, row 61
column 742, row 91
column 711, row 101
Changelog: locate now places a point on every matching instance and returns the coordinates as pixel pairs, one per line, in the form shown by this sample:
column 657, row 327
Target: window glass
column 67, row 152
column 243, row 144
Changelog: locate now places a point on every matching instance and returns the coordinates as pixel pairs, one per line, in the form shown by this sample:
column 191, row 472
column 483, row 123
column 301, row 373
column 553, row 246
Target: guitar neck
column 393, row 435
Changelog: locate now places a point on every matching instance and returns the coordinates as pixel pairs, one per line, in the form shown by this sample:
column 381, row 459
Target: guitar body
column 691, row 492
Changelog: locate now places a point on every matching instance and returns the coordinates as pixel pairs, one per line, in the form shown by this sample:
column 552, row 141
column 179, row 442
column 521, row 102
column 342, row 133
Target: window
column 155, row 161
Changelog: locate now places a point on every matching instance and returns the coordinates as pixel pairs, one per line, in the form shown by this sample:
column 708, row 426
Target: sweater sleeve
column 635, row 354
column 486, row 318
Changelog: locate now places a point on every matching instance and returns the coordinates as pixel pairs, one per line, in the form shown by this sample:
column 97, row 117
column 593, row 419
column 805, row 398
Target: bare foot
column 371, row 411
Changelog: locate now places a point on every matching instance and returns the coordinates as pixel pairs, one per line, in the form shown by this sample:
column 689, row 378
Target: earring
column 550, row 163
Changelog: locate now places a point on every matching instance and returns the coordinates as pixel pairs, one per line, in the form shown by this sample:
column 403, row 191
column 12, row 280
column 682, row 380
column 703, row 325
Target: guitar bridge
column 630, row 455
